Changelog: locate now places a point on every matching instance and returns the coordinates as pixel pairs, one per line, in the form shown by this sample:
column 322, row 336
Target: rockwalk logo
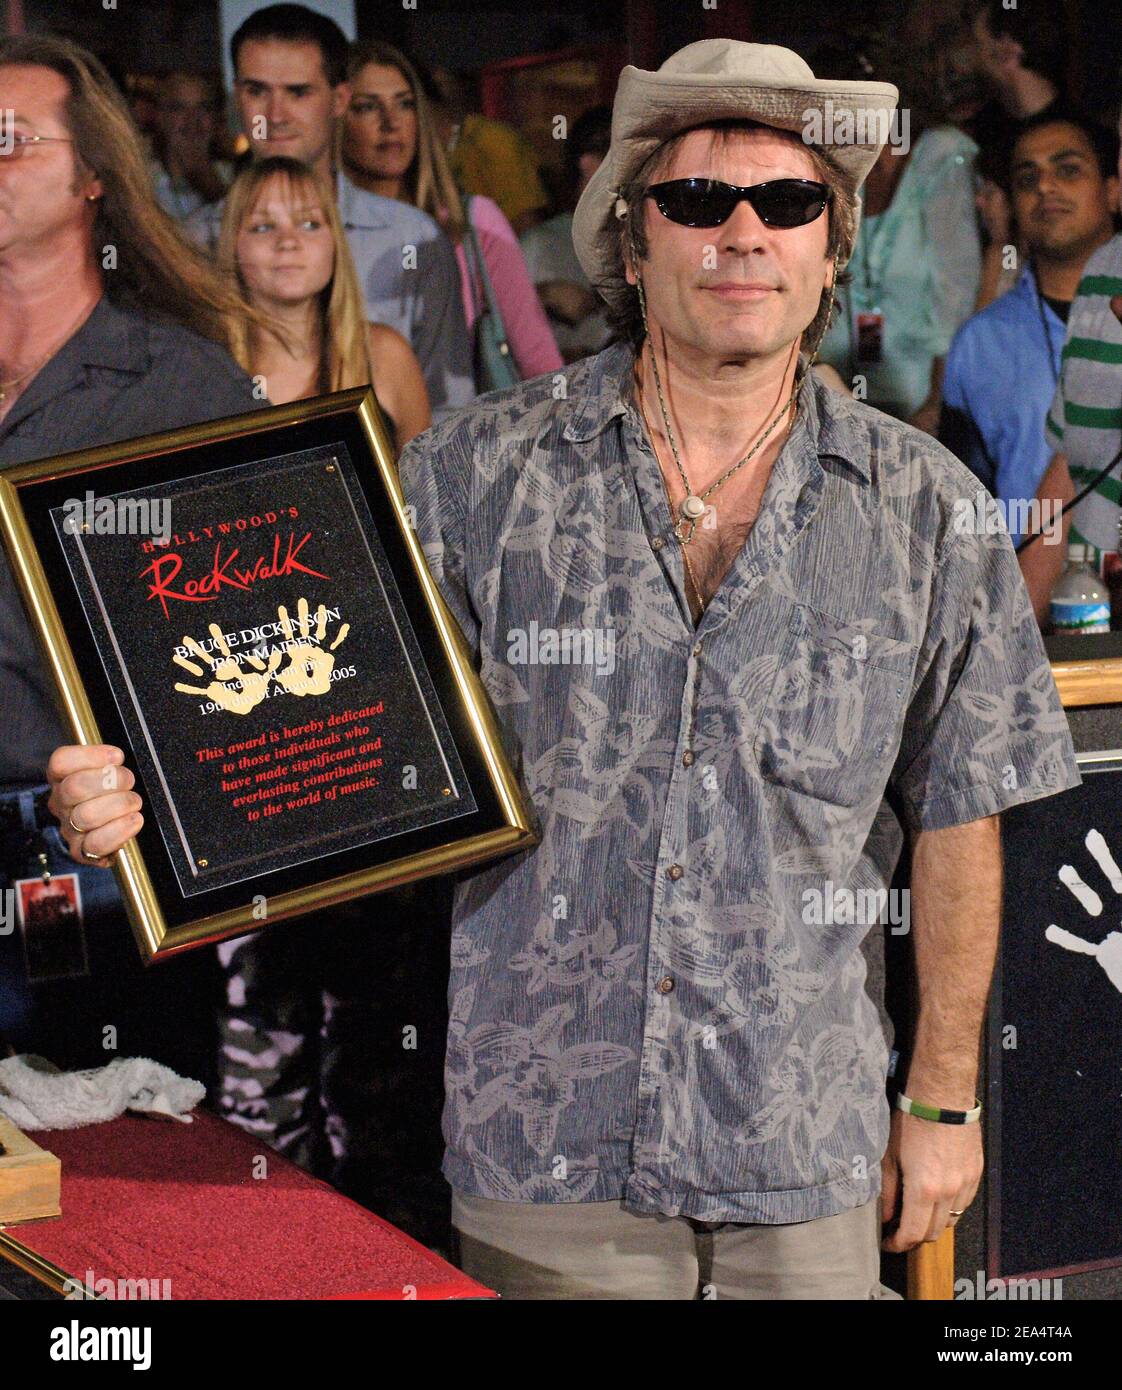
column 566, row 646
column 77, row 1343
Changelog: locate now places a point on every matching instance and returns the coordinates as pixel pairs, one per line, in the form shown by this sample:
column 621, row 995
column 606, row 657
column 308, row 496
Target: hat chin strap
column 643, row 298
column 693, row 507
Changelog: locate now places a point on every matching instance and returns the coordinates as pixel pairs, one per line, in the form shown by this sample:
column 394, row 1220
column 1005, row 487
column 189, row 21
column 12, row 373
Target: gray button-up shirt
column 121, row 375
column 658, row 1003
column 408, row 274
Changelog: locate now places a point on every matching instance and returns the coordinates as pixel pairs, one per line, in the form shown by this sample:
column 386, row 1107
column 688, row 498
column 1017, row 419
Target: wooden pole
column 931, row 1268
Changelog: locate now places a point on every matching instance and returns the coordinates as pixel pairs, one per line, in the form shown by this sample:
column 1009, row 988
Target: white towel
column 34, row 1094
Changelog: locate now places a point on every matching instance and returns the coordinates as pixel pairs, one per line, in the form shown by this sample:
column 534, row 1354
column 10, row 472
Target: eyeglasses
column 15, row 146
column 708, row 203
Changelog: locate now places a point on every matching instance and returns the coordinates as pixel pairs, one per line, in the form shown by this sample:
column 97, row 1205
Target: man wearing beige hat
column 721, row 611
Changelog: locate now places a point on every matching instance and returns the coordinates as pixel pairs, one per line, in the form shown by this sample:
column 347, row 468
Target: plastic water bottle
column 1080, row 601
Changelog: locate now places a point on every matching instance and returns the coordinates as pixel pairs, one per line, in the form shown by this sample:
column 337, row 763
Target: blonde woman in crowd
column 283, row 240
column 287, row 1065
column 391, row 147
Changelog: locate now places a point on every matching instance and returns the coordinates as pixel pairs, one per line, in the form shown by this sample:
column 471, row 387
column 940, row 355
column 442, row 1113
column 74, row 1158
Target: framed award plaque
column 245, row 609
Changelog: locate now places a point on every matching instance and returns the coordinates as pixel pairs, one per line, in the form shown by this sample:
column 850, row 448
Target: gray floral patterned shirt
column 659, row 1002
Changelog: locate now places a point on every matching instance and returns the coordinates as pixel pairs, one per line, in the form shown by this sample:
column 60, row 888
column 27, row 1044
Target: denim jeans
column 118, row 1008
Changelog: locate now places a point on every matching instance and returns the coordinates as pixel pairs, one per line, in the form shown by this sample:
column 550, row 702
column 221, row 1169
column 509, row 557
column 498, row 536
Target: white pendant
column 693, row 508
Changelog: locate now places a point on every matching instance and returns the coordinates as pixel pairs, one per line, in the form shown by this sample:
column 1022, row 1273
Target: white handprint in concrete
column 1107, row 952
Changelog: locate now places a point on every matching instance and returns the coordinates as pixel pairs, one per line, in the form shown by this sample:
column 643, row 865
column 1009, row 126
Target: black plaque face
column 245, row 610
column 262, row 661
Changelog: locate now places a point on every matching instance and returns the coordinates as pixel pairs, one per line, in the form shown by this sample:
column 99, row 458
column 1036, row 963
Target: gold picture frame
column 249, row 446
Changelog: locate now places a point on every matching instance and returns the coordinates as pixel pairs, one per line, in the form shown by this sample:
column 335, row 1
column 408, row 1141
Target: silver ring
column 97, row 858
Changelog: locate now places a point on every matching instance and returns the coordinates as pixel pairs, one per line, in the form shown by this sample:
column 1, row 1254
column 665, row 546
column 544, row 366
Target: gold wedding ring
column 96, row 858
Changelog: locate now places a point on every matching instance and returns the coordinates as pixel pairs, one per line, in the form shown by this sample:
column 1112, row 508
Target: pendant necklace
column 6, row 386
column 693, row 506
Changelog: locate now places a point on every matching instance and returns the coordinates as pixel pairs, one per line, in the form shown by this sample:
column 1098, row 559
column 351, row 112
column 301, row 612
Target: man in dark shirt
column 121, row 375
column 77, row 366
column 81, row 364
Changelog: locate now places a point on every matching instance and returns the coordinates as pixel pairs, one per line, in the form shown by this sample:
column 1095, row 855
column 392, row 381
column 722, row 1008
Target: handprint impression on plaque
column 239, row 683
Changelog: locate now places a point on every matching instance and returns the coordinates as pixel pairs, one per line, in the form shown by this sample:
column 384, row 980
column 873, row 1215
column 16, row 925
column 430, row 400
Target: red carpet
column 154, row 1199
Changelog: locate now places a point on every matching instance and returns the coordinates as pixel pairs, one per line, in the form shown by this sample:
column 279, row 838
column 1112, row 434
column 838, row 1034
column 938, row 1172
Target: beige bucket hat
column 718, row 80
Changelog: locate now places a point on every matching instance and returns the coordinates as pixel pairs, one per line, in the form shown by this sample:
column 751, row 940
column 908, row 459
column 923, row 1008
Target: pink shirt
column 527, row 328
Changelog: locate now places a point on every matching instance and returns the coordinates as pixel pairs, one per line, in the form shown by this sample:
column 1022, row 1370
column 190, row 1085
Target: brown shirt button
column 688, row 758
column 675, row 872
column 665, row 985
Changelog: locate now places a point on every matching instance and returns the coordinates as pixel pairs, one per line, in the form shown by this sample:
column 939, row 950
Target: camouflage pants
column 332, row 1048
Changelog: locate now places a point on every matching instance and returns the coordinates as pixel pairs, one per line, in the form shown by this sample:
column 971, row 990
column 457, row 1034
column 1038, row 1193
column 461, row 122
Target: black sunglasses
column 707, row 203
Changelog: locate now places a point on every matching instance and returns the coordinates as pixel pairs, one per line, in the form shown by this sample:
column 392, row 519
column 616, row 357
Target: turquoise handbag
column 493, row 360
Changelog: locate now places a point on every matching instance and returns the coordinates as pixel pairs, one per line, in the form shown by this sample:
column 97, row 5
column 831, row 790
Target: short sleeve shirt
column 658, row 1003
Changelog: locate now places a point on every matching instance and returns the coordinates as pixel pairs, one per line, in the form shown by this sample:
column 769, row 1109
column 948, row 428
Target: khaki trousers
column 592, row 1250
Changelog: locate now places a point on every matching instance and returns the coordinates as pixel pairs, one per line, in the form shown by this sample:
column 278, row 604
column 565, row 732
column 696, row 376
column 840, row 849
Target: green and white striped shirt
column 1085, row 419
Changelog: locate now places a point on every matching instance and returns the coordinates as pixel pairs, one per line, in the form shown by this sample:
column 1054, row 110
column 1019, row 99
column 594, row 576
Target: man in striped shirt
column 1084, row 423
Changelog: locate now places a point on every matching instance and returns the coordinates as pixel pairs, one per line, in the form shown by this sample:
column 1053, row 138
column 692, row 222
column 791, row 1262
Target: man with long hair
column 111, row 326
column 290, row 86
column 722, row 611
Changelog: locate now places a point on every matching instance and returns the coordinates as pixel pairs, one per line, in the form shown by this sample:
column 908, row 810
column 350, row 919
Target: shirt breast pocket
column 832, row 723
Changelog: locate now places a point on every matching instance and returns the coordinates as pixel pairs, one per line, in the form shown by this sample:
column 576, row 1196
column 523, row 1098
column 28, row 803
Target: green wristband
column 936, row 1113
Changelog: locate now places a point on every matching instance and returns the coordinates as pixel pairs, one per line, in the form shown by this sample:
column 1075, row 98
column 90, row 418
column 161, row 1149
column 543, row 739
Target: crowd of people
column 373, row 229
column 1003, row 187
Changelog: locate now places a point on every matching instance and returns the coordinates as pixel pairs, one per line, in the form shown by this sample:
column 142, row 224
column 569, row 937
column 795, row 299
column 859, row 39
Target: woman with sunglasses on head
column 283, row 240
column 391, row 147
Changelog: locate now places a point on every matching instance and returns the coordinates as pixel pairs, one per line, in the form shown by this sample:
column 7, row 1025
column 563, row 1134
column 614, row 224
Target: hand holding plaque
column 96, row 781
column 297, row 707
